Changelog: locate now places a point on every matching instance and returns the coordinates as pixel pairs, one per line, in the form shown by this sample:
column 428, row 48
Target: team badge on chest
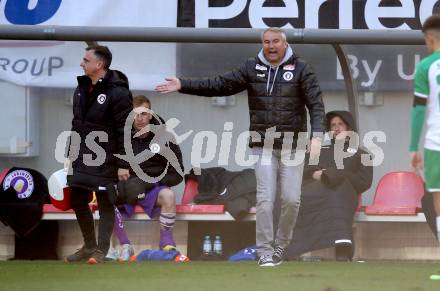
column 101, row 98
column 288, row 76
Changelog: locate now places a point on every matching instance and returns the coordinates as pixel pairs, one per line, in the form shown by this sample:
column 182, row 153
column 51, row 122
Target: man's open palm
column 172, row 85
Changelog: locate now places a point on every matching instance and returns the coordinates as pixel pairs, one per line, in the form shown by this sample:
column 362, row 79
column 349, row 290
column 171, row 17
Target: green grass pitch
column 211, row 276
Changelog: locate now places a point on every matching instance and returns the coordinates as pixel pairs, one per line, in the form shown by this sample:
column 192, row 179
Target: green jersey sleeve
column 421, row 83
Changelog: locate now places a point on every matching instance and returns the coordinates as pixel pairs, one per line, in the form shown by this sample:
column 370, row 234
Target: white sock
column 438, row 228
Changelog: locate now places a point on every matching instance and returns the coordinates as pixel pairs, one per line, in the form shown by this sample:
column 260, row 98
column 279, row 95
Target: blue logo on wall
column 17, row 11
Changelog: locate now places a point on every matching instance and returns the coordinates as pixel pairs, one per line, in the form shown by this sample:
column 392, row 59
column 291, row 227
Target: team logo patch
column 289, row 67
column 288, row 76
column 22, row 182
column 101, row 98
column 260, row 67
column 155, row 148
column 261, row 75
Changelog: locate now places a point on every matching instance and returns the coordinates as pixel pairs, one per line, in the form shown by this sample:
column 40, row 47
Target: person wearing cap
column 330, row 192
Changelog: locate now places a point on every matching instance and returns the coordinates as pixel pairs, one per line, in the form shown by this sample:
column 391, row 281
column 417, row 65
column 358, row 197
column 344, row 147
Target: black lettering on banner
column 34, row 67
column 342, row 14
column 3, row 63
column 20, row 66
column 55, row 63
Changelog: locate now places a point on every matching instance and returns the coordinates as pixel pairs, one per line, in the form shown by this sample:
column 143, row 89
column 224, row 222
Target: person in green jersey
column 427, row 103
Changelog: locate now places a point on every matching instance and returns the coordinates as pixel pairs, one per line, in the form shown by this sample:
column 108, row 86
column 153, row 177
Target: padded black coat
column 279, row 101
column 106, row 109
column 328, row 206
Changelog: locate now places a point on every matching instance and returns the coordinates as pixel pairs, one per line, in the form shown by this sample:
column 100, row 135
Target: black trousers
column 80, row 199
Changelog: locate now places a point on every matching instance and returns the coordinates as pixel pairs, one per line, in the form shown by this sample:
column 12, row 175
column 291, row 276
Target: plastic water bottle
column 207, row 246
column 218, row 247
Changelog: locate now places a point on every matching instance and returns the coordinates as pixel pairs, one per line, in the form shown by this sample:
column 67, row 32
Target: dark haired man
column 101, row 104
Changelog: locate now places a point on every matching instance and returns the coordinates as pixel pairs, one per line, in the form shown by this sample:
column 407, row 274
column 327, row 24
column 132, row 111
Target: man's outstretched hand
column 172, row 85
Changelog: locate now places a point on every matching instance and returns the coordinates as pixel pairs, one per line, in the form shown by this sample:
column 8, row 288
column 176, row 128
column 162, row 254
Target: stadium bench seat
column 397, row 193
column 49, row 208
column 184, row 208
column 189, row 193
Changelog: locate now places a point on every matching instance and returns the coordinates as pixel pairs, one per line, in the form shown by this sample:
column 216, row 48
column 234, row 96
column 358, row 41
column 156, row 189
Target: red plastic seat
column 50, row 208
column 3, row 175
column 200, row 209
column 398, row 193
column 190, row 191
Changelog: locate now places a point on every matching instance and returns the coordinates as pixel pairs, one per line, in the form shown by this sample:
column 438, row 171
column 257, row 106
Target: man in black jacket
column 159, row 199
column 280, row 87
column 101, row 104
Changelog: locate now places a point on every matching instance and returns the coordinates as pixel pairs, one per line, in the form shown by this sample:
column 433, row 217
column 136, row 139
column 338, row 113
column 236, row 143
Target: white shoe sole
column 267, row 265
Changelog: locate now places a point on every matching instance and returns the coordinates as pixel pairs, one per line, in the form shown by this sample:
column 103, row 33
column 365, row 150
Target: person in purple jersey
column 160, row 200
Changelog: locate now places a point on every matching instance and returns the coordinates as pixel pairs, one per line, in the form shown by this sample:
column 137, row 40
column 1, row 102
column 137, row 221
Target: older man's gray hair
column 274, row 29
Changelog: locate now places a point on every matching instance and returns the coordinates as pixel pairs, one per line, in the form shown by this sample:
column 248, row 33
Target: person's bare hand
column 172, row 85
column 123, row 174
column 416, row 161
column 315, row 149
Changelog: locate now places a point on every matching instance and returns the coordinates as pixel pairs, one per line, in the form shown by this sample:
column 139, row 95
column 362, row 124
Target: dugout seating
column 185, row 210
column 397, row 193
column 397, row 240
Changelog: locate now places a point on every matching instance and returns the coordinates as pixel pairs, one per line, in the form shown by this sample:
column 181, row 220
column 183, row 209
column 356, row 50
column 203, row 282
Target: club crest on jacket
column 101, row 98
column 288, row 76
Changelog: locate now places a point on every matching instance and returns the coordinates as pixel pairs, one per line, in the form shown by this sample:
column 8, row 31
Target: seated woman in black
column 330, row 194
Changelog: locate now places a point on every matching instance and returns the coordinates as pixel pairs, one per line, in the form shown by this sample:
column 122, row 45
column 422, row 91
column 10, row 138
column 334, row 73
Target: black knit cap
column 344, row 115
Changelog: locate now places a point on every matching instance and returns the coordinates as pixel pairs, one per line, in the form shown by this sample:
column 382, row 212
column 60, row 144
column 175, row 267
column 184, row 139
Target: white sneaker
column 112, row 255
column 126, row 252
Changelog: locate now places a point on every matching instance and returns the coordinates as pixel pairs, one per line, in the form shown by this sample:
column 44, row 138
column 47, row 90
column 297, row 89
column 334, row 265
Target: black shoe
column 97, row 257
column 265, row 261
column 81, row 255
column 278, row 256
column 344, row 252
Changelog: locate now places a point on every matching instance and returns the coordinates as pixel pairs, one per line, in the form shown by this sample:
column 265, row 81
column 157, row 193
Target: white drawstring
column 268, row 80
column 273, row 82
